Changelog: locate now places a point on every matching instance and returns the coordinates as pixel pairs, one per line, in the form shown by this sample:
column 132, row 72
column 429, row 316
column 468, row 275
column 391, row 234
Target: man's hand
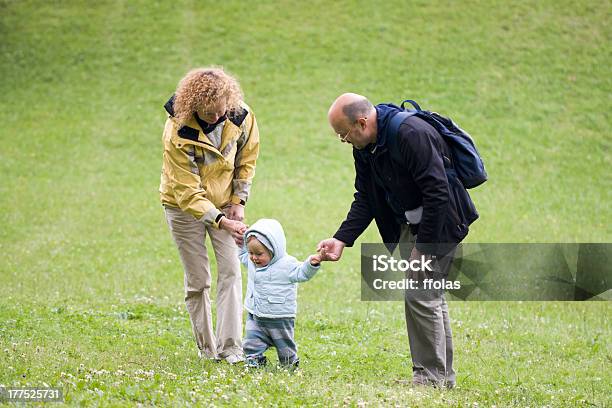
column 235, row 212
column 330, row 249
column 418, row 275
column 235, row 228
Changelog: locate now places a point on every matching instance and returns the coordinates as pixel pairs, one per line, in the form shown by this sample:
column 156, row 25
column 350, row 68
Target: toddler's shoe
column 291, row 366
column 256, row 362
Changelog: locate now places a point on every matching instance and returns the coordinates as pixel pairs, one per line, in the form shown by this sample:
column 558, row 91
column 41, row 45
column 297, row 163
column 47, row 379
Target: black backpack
column 465, row 160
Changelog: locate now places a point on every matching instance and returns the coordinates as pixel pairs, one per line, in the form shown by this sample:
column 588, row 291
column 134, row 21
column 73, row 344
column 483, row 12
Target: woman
column 211, row 143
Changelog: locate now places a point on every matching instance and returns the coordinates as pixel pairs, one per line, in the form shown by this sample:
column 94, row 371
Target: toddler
column 271, row 298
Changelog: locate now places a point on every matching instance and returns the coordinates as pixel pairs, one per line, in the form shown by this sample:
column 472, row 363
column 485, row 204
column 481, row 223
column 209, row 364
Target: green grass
column 91, row 295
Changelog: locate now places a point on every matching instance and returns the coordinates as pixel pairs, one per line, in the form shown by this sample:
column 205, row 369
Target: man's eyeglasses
column 343, row 138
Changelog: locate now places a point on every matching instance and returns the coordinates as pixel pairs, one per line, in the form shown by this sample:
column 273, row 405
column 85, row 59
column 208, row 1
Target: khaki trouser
column 190, row 235
column 429, row 331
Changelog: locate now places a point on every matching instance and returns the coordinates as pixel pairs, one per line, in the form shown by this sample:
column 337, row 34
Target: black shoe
column 256, row 361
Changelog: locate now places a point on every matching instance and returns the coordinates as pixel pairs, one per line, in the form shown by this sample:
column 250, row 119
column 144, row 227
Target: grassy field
column 91, row 297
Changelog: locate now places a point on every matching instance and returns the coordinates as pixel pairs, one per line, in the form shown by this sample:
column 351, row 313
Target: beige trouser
column 190, row 237
column 429, row 331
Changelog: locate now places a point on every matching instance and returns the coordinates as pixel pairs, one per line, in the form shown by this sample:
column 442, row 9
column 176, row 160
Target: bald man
column 410, row 203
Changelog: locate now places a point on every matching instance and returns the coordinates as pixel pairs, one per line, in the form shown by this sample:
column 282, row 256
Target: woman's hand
column 235, row 228
column 235, row 212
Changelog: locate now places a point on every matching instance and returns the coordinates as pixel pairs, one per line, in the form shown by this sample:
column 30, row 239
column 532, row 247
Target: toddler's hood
column 273, row 231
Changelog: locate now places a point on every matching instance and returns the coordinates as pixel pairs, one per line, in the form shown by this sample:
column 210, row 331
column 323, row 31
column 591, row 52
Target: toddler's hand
column 316, row 259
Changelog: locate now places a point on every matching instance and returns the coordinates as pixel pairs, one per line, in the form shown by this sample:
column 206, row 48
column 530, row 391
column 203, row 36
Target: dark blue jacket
column 386, row 188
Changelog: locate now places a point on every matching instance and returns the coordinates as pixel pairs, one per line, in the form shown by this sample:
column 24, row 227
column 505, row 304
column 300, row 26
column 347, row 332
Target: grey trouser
column 429, row 331
column 263, row 333
column 190, row 237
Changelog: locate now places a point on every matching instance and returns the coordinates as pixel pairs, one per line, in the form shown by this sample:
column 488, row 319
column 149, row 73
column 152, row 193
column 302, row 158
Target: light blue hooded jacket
column 272, row 289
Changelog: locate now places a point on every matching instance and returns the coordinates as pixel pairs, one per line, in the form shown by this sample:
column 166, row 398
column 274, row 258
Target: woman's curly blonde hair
column 202, row 88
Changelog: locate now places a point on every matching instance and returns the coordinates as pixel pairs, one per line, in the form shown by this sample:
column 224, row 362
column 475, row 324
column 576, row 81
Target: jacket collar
column 169, row 106
column 384, row 114
column 235, row 117
column 194, row 131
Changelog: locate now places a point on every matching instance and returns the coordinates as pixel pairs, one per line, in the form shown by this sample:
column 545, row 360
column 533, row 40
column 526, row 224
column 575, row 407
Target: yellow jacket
column 198, row 177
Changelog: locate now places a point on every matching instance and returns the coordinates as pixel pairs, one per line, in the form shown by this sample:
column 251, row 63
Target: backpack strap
column 392, row 131
column 396, row 122
column 413, row 103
